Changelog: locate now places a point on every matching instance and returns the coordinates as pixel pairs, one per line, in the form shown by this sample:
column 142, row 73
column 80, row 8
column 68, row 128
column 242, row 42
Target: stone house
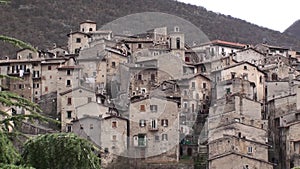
column 250, row 55
column 243, row 70
column 195, row 95
column 236, row 130
column 67, row 103
column 270, row 50
column 154, row 129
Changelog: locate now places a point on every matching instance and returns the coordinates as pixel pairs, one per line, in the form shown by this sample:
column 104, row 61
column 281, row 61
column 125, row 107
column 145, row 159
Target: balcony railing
column 150, row 128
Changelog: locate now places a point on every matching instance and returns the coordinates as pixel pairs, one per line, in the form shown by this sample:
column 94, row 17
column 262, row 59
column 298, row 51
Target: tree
column 60, row 150
column 8, row 153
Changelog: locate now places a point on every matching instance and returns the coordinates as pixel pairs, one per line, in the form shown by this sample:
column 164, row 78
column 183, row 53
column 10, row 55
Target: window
column 193, row 85
column 114, row 138
column 156, row 138
column 37, row 85
column 78, row 40
column 153, row 124
column 49, row 67
column 246, row 167
column 250, row 150
column 50, row 77
column 91, row 126
column 152, row 77
column 178, row 43
column 114, row 124
column 81, row 126
column 164, row 137
column 69, row 128
column 68, row 82
column 69, row 114
column 187, row 59
column 245, row 67
column 113, row 64
column 228, row 91
column 46, row 89
column 68, row 72
column 91, row 29
column 89, row 99
column 260, row 79
column 69, row 100
column 140, row 46
column 142, row 123
column 193, row 108
column 185, row 92
column 153, row 108
column 245, row 76
column 140, row 77
column 204, row 85
column 142, row 108
column 142, row 140
column 164, row 122
column 185, row 105
column 36, row 74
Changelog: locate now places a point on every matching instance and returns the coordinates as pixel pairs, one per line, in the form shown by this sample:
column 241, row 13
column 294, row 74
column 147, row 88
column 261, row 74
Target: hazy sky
column 274, row 14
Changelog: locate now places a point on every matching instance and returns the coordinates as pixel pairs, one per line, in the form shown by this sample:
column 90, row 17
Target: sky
column 273, row 14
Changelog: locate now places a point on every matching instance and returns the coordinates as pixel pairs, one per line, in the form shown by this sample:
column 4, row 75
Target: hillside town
column 155, row 100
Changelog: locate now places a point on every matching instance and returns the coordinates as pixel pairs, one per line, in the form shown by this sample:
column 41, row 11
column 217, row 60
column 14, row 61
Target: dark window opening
column 78, row 40
column 178, row 43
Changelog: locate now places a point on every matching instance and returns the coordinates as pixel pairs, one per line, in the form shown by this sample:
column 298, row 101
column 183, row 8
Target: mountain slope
column 43, row 23
column 294, row 30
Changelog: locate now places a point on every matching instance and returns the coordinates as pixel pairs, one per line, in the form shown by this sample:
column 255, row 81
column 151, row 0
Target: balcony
column 36, row 78
column 150, row 128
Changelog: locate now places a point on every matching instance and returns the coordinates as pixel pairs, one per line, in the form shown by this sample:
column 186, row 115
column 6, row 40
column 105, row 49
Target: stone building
column 68, row 101
column 236, row 130
column 243, row 70
column 154, row 129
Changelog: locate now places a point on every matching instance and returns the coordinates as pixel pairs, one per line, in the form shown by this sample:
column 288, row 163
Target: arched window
column 178, row 43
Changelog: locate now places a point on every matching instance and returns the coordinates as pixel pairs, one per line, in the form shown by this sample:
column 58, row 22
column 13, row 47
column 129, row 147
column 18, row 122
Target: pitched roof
column 74, row 89
column 224, row 43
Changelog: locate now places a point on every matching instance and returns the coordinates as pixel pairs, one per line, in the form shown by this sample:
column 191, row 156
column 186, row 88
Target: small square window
column 153, row 108
column 68, row 82
column 114, row 138
column 140, row 45
column 49, row 67
column 156, row 138
column 78, row 40
column 113, row 64
column 68, row 72
column 193, row 85
column 164, row 137
column 114, row 124
column 142, row 108
column 142, row 123
column 245, row 67
column 164, row 122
